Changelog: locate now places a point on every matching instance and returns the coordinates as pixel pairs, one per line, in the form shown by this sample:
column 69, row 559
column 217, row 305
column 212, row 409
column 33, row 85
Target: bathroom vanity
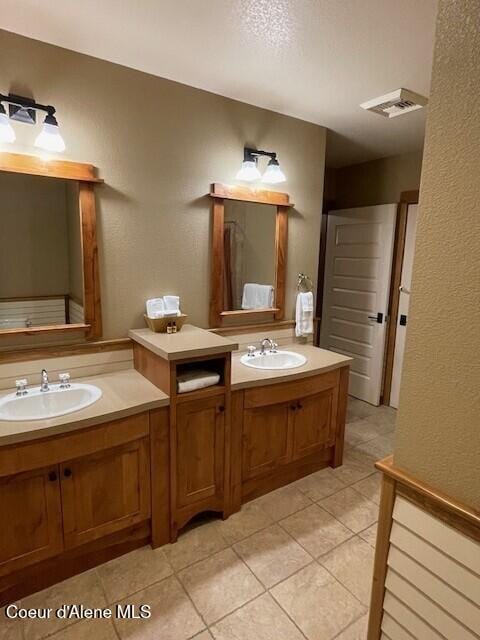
column 137, row 465
column 255, row 431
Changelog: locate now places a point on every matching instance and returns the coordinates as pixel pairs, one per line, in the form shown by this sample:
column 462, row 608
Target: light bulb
column 7, row 134
column 273, row 174
column 249, row 171
column 49, row 137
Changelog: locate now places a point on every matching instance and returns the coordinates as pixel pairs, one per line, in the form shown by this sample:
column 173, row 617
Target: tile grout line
column 182, row 586
column 350, row 625
column 102, row 587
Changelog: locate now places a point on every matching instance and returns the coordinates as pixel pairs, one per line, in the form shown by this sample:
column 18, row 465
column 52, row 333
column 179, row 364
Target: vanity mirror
column 48, row 253
column 249, row 254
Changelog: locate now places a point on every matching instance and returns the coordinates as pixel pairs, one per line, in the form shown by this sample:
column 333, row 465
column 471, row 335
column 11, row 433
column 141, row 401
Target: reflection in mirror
column 41, row 272
column 249, row 246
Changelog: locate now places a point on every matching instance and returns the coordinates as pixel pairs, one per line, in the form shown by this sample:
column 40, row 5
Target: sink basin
column 278, row 360
column 42, row 405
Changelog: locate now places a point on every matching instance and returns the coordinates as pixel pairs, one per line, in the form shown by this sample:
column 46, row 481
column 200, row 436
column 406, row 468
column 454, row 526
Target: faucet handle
column 251, row 351
column 21, row 386
column 274, row 347
column 64, row 380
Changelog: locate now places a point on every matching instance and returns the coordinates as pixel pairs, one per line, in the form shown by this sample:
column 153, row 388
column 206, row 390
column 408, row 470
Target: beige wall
column 159, row 145
column 376, row 182
column 33, row 236
column 438, row 433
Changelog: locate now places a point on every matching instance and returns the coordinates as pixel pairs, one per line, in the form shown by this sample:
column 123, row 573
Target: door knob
column 378, row 318
column 67, row 472
column 52, row 476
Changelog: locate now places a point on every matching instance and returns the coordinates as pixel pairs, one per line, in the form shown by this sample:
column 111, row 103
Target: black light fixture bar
column 250, row 154
column 24, row 109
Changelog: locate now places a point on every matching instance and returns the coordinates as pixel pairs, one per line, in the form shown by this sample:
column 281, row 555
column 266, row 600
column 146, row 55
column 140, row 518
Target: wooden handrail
column 405, row 478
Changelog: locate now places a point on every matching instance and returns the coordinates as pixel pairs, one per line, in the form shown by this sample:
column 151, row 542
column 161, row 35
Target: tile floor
column 292, row 565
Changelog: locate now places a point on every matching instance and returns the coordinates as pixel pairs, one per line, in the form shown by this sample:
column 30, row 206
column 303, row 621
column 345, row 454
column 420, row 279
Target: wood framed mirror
column 249, row 254
column 49, row 273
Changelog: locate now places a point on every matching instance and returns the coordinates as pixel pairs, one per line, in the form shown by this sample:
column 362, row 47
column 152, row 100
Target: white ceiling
column 313, row 59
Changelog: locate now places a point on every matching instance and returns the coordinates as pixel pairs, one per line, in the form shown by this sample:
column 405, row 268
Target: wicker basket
column 159, row 325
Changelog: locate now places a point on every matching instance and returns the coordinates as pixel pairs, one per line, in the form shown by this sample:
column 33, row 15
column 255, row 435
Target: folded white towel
column 163, row 307
column 198, row 379
column 257, row 296
column 155, row 307
column 304, row 314
column 172, row 303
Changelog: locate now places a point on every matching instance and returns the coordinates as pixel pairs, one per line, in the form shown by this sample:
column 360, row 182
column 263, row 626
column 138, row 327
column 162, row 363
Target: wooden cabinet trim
column 160, row 476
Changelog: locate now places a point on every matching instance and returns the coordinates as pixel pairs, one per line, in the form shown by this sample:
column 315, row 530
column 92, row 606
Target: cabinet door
column 31, row 528
column 313, row 424
column 105, row 492
column 266, row 439
column 200, row 455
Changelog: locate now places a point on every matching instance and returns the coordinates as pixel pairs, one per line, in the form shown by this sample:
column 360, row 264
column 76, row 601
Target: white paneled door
column 403, row 304
column 358, row 264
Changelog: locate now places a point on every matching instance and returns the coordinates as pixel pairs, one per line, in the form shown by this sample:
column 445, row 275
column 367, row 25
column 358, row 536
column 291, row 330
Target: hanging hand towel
column 257, row 296
column 304, row 314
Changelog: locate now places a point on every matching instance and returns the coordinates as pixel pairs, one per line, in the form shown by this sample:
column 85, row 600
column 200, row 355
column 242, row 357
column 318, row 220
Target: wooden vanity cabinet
column 71, row 501
column 200, row 451
column 199, row 427
column 285, row 431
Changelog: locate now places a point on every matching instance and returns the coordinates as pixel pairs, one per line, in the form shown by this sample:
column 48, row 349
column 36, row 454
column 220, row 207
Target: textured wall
column 159, row 145
column 377, row 182
column 438, row 433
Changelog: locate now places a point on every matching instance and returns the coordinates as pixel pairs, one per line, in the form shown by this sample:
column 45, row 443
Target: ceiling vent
column 395, row 103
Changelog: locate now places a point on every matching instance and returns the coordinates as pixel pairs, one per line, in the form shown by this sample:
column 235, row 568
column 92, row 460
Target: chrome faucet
column 44, row 383
column 264, row 342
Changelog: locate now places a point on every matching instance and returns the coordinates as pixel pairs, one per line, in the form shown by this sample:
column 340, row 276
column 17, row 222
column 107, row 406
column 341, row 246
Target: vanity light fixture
column 249, row 171
column 25, row 110
column 49, row 137
column 7, row 134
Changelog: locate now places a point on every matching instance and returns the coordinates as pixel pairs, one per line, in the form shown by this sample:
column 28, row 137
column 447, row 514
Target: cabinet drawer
column 287, row 391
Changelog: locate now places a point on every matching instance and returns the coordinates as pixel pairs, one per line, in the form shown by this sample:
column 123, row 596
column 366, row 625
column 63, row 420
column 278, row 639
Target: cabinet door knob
column 67, row 472
column 299, row 405
column 293, row 407
column 221, row 408
column 52, row 476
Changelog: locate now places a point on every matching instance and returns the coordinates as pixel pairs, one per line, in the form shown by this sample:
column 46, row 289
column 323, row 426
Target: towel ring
column 304, row 283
